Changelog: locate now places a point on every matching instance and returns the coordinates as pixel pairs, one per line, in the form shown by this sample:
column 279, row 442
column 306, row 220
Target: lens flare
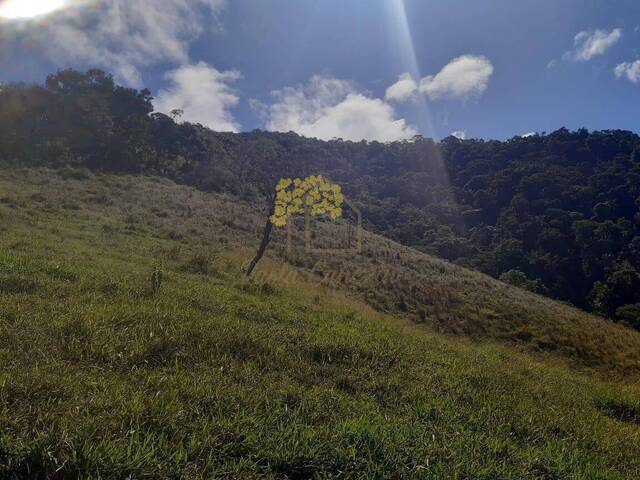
column 26, row 9
column 403, row 41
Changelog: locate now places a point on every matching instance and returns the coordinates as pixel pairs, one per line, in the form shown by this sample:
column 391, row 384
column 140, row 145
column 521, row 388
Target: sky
column 380, row 70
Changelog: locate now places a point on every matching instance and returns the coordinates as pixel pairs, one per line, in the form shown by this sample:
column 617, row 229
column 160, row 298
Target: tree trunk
column 266, row 238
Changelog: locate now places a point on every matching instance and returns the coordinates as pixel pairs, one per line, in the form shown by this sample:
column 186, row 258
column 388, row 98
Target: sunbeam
column 401, row 36
column 403, row 40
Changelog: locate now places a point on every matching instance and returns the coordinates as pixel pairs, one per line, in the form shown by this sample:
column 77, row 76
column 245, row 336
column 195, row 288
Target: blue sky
column 324, row 68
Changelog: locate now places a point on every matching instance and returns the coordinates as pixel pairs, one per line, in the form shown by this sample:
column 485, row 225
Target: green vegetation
column 562, row 209
column 132, row 346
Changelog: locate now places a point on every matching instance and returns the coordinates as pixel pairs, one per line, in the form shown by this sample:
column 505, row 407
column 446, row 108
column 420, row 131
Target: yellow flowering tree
column 313, row 195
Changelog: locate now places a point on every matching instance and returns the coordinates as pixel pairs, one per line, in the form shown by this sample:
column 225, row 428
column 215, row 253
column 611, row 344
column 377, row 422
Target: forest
column 556, row 213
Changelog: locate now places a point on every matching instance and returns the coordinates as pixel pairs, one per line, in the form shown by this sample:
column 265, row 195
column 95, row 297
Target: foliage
column 156, row 280
column 630, row 314
column 563, row 208
column 519, row 279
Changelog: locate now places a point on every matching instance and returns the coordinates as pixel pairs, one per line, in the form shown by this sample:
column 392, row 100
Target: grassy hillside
column 559, row 211
column 131, row 345
column 129, row 212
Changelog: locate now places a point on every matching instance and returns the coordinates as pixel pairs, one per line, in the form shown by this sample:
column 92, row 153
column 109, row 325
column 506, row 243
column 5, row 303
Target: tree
column 561, row 207
column 509, row 255
column 519, row 279
column 630, row 314
column 313, row 195
column 599, row 298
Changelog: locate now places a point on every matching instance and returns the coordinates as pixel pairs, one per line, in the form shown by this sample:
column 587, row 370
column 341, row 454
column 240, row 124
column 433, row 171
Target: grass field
column 131, row 346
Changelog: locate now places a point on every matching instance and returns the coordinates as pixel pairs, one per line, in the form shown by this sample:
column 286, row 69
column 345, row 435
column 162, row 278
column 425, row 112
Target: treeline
column 558, row 213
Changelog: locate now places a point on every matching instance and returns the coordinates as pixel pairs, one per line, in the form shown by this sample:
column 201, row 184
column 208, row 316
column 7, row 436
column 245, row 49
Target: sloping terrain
column 132, row 346
column 558, row 212
column 391, row 278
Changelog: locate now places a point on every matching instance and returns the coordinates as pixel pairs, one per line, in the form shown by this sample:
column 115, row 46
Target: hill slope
column 128, row 348
column 391, row 278
column 559, row 212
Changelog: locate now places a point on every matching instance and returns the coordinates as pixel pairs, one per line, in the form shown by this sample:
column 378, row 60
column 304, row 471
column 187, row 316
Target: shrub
column 519, row 279
column 156, row 280
column 200, row 263
column 630, row 314
column 71, row 173
column 14, row 285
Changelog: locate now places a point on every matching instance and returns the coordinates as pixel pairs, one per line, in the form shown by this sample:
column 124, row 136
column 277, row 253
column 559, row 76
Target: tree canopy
column 558, row 213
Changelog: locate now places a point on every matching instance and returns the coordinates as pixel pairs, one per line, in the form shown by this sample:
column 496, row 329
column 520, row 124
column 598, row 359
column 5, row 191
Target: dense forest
column 556, row 213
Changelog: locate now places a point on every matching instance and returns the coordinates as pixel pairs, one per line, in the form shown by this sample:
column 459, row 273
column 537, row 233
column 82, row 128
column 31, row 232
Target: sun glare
column 25, row 9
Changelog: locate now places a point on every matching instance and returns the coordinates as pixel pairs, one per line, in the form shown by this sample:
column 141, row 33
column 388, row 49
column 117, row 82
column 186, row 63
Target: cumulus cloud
column 403, row 89
column 327, row 108
column 459, row 134
column 629, row 70
column 125, row 35
column 591, row 44
column 462, row 77
column 203, row 93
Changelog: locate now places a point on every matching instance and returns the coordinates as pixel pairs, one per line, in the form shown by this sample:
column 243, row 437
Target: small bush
column 13, row 284
column 156, row 280
column 200, row 263
column 58, row 272
column 173, row 253
column 267, row 289
column 109, row 229
column 630, row 314
column 71, row 173
column 109, row 287
column 263, row 289
column 175, row 235
column 519, row 279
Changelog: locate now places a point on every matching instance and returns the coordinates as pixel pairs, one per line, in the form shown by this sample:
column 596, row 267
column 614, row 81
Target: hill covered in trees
column 555, row 213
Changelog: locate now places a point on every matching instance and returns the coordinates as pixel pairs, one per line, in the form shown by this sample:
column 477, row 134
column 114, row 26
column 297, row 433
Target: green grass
column 131, row 346
column 133, row 213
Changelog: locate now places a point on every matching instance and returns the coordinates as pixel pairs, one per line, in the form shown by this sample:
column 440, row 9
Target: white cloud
column 590, row 44
column 329, row 108
column 459, row 134
column 203, row 93
column 528, row 134
column 462, row 77
column 630, row 70
column 20, row 10
column 402, row 90
column 125, row 35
